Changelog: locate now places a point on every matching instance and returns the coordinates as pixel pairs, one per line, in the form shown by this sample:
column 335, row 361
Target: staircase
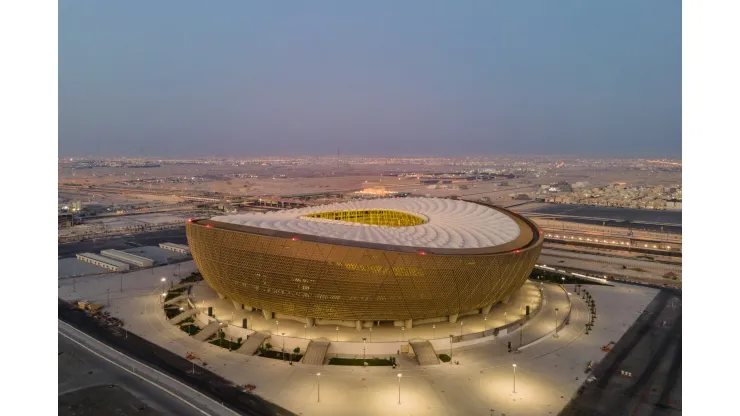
column 251, row 344
column 316, row 352
column 424, row 352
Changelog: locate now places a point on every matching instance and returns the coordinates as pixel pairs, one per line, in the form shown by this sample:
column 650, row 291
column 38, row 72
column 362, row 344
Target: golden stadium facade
column 398, row 259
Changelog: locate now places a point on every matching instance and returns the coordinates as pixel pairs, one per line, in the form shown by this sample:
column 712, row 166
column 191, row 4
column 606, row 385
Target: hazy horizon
column 384, row 79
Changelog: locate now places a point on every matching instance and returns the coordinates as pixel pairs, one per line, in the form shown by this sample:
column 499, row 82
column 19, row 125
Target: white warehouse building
column 179, row 248
column 103, row 262
column 128, row 258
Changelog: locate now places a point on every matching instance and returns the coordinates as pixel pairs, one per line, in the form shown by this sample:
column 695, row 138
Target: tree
column 268, row 346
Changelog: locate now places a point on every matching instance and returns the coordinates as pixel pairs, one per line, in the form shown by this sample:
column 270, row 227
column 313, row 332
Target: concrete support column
column 409, row 323
column 310, row 322
column 486, row 309
column 358, row 325
column 236, row 304
column 248, row 308
column 220, row 296
column 452, row 318
column 267, row 314
column 505, row 300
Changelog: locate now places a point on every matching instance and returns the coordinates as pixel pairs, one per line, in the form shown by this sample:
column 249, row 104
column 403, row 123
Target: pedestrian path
column 316, row 352
column 253, row 342
column 424, row 351
column 206, row 332
column 183, row 316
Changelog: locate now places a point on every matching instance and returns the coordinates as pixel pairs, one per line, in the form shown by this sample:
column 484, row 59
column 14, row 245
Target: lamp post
column 108, row 292
column 164, row 279
column 277, row 326
column 434, row 329
column 403, row 329
column 363, row 348
column 337, row 334
column 450, row 348
column 461, row 324
column 318, row 387
column 371, row 334
column 514, row 366
column 399, row 387
column 305, row 331
column 504, row 318
column 283, row 346
column 485, row 323
column 556, row 324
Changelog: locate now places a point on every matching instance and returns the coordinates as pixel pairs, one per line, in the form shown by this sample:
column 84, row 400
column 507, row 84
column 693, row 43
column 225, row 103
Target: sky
column 377, row 78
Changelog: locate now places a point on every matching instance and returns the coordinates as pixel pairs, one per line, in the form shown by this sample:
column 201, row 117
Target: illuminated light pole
column 399, row 387
column 371, row 334
column 450, row 348
column 363, row 348
column 318, row 387
column 485, row 323
column 403, row 329
column 163, row 280
column 514, row 366
column 504, row 318
column 461, row 324
column 556, row 324
column 283, row 355
column 305, row 331
column 337, row 334
column 434, row 329
column 277, row 326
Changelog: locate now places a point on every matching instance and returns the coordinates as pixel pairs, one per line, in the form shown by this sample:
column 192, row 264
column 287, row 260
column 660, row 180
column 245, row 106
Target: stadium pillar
column 358, row 325
column 486, row 309
column 505, row 300
column 452, row 318
column 267, row 314
column 222, row 297
column 409, row 323
column 310, row 322
column 236, row 304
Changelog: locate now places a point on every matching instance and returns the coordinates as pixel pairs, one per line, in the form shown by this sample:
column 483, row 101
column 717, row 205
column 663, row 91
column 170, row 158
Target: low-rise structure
column 103, row 262
column 178, row 248
column 128, row 258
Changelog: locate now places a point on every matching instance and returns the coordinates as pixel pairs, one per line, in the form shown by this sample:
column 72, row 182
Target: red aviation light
column 295, row 239
column 423, row 253
column 516, row 251
column 190, row 220
column 208, row 226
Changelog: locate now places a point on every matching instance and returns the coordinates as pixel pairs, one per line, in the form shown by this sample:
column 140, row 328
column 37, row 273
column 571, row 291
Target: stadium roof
column 449, row 224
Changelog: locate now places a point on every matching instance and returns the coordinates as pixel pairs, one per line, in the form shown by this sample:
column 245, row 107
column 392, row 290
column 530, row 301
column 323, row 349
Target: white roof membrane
column 450, row 223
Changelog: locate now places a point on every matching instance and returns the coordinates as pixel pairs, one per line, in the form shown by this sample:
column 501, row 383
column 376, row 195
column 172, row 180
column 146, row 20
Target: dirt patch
column 102, row 400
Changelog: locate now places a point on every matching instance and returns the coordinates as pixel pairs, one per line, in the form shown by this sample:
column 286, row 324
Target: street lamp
column 504, row 318
column 450, row 348
column 399, row 387
column 318, row 387
column 514, row 366
column 556, row 324
column 434, row 329
column 485, row 323
column 283, row 346
column 337, row 334
column 305, row 331
column 363, row 348
column 163, row 280
column 403, row 328
column 371, row 334
column 461, row 323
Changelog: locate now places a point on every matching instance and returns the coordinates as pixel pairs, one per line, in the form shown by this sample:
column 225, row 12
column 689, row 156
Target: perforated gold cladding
column 319, row 280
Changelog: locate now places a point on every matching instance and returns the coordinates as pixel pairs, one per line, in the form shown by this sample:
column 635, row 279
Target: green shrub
column 268, row 346
column 444, row 358
column 296, row 350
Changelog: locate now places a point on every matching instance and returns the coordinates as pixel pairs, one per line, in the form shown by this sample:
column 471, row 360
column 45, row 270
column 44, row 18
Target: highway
column 87, row 366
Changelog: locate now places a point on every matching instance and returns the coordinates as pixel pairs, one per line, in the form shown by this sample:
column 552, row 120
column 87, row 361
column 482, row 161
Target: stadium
column 358, row 263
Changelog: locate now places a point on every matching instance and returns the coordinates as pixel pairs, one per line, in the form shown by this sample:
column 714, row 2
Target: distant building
column 103, row 262
column 178, row 248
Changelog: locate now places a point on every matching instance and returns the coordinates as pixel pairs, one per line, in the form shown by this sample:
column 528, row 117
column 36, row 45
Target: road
column 615, row 213
column 153, row 238
column 642, row 373
column 87, row 366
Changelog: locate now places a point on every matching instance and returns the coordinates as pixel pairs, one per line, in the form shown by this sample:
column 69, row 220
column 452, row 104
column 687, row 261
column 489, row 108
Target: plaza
column 549, row 370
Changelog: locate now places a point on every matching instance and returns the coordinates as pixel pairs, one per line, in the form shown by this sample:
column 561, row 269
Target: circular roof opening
column 379, row 217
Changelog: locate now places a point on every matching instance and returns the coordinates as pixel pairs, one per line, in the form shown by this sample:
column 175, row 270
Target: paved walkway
column 252, row 343
column 183, row 316
column 425, row 353
column 548, row 373
column 316, row 352
column 206, row 332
